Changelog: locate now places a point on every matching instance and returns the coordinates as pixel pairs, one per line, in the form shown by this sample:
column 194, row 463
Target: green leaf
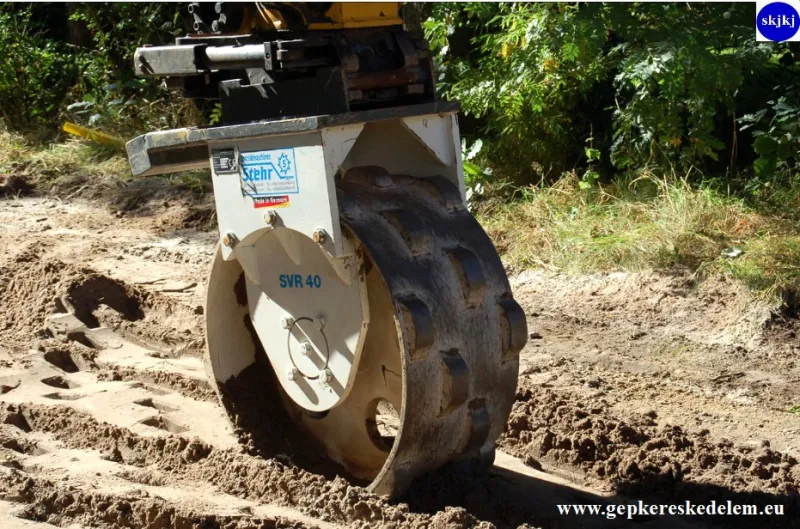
column 592, row 154
column 765, row 165
column 784, row 149
column 765, row 144
column 80, row 105
column 622, row 162
column 570, row 51
column 475, row 149
column 588, row 179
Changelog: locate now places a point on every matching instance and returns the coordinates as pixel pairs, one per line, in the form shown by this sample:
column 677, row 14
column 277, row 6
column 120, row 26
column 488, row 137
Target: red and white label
column 271, row 202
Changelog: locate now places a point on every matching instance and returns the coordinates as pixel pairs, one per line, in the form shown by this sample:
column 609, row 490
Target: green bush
column 36, row 72
column 777, row 133
column 606, row 87
column 50, row 76
column 110, row 96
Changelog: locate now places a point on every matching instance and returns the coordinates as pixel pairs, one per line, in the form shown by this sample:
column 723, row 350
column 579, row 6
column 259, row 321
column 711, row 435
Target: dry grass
column 74, row 164
column 60, row 166
column 648, row 224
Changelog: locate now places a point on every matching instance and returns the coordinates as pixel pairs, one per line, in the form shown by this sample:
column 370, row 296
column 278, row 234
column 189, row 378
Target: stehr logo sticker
column 778, row 21
column 266, row 173
column 271, row 202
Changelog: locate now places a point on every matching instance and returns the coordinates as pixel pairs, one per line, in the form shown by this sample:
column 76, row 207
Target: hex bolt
column 270, row 217
column 319, row 236
column 229, row 240
column 291, row 374
column 306, row 348
column 325, row 376
column 287, row 321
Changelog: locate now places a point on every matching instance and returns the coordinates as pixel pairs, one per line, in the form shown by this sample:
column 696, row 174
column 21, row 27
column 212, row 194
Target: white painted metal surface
column 327, row 318
column 306, row 294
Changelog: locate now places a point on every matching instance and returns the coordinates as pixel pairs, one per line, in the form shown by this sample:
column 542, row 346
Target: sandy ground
column 632, row 387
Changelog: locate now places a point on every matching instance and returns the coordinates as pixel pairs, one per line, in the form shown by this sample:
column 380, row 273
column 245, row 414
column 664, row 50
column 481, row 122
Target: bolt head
column 229, row 239
column 270, row 217
column 306, row 348
column 319, row 236
column 287, row 322
column 291, row 374
column 325, row 376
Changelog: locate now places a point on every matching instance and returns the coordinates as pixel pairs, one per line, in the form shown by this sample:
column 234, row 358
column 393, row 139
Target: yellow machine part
column 94, row 135
column 351, row 15
column 341, row 15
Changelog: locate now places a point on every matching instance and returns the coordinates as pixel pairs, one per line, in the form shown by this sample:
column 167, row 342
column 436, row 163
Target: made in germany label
column 271, row 202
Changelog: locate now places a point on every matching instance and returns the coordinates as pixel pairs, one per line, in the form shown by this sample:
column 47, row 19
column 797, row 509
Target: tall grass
column 649, row 223
column 59, row 165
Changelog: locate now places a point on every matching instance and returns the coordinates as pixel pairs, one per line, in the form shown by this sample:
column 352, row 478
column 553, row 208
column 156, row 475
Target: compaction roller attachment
column 353, row 280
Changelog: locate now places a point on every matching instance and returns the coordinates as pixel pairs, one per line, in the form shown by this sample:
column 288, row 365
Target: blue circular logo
column 778, row 21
